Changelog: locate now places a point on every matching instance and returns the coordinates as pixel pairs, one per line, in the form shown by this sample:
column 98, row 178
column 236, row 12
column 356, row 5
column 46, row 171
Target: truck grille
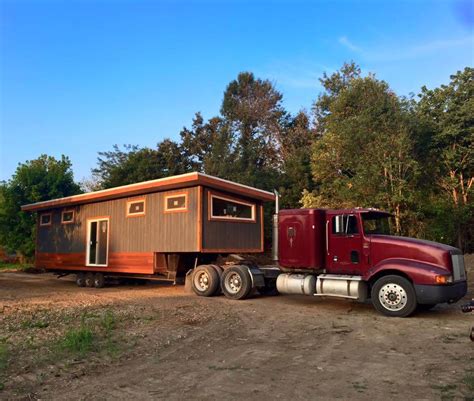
column 459, row 272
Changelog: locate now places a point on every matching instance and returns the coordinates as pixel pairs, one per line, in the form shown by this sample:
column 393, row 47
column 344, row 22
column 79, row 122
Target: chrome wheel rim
column 233, row 283
column 393, row 297
column 201, row 281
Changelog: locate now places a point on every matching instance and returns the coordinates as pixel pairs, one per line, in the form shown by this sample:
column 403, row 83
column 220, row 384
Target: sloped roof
column 161, row 184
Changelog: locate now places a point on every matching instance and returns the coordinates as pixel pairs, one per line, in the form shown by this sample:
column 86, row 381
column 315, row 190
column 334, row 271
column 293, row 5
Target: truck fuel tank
column 302, row 284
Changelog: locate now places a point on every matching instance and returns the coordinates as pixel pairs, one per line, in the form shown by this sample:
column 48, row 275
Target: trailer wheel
column 394, row 296
column 205, row 281
column 236, row 282
column 89, row 280
column 99, row 280
column 81, row 279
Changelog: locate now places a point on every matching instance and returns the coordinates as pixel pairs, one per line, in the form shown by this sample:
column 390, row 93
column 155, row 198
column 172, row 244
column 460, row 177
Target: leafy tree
column 252, row 108
column 34, row 181
column 447, row 114
column 134, row 164
column 295, row 152
column 209, row 146
column 365, row 157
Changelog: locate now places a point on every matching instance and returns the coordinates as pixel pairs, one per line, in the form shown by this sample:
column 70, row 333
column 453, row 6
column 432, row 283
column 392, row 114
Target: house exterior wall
column 132, row 240
column 231, row 236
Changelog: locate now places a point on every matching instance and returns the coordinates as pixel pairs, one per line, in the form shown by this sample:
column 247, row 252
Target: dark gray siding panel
column 230, row 235
column 157, row 231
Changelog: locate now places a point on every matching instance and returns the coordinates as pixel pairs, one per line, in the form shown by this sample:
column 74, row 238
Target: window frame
column 50, row 214
column 73, row 216
column 212, row 217
column 138, row 214
column 343, row 233
column 176, row 210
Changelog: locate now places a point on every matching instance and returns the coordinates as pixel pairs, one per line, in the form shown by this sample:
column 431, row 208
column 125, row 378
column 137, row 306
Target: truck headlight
column 443, row 279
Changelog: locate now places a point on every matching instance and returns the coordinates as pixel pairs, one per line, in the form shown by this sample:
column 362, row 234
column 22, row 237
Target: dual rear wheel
column 235, row 282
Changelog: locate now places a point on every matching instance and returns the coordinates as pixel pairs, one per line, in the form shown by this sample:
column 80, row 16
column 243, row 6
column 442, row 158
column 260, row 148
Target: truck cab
column 351, row 253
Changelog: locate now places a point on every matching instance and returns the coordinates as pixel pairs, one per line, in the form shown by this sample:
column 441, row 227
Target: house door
column 97, row 242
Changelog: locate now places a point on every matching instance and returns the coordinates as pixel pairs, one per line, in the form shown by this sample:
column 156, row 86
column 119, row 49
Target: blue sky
column 77, row 77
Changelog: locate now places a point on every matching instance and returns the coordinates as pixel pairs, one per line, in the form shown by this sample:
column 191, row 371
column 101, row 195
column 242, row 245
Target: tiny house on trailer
column 157, row 228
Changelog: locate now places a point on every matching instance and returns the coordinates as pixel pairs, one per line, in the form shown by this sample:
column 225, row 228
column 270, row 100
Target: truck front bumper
column 438, row 294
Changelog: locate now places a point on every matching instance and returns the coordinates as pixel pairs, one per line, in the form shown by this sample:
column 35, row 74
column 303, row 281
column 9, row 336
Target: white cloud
column 409, row 52
column 347, row 43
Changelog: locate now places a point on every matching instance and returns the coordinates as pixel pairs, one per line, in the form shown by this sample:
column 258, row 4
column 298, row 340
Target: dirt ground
column 159, row 342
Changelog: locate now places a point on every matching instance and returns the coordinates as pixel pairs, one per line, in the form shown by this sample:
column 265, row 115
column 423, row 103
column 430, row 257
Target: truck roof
column 334, row 211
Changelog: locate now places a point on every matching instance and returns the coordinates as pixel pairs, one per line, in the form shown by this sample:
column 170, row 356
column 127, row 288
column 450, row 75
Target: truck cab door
column 345, row 254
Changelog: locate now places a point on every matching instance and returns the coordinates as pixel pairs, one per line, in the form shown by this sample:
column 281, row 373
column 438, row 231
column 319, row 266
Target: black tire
column 89, row 280
column 205, row 281
column 219, row 272
column 99, row 280
column 236, row 282
column 81, row 279
column 425, row 307
column 394, row 296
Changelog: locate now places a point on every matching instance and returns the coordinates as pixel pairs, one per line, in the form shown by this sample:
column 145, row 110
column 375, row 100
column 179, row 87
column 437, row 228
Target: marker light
column 443, row 279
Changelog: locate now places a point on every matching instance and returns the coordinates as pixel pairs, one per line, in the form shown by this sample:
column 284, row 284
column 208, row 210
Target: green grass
column 3, row 363
column 79, row 341
column 14, row 266
column 469, row 382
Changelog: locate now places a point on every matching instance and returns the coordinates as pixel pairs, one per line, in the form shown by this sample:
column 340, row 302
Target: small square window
column 136, row 208
column 45, row 219
column 176, row 203
column 67, row 217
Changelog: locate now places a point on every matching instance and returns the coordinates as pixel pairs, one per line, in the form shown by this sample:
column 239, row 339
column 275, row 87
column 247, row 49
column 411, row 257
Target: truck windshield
column 376, row 223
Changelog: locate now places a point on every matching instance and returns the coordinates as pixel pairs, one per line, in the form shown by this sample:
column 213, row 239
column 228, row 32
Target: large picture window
column 223, row 208
column 136, row 208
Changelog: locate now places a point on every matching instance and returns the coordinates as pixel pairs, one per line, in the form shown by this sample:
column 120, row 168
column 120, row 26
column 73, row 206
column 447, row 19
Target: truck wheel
column 394, row 296
column 236, row 282
column 89, row 280
column 99, row 280
column 81, row 279
column 205, row 281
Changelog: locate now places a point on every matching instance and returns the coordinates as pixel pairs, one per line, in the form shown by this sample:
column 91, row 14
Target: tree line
column 360, row 144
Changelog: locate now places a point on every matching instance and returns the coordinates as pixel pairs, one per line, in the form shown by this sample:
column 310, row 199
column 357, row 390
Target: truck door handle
column 327, row 237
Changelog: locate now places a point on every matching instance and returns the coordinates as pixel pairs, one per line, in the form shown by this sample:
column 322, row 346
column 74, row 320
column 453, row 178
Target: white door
column 97, row 242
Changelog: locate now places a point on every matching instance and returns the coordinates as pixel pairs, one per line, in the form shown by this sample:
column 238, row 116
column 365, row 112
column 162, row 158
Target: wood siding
column 156, row 231
column 231, row 236
column 119, row 262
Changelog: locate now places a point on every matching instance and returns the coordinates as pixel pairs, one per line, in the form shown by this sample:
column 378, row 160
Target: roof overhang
column 161, row 184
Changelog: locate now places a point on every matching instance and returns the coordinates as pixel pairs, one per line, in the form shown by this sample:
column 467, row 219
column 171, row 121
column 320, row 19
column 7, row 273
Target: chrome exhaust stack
column 275, row 227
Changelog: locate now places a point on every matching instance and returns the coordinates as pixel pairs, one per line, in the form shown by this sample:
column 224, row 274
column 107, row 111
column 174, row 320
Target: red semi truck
column 347, row 254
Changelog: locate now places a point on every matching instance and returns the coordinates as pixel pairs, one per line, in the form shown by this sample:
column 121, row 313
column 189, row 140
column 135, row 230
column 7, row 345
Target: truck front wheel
column 394, row 296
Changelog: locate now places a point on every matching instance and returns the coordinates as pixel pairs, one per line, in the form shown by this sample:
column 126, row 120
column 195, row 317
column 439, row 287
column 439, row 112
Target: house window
column 223, row 208
column 67, row 217
column 176, row 203
column 45, row 219
column 344, row 224
column 136, row 208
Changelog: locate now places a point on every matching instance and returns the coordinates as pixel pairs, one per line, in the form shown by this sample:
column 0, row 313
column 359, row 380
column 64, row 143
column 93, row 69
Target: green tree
column 208, row 146
column 133, row 164
column 447, row 114
column 365, row 155
column 295, row 152
column 252, row 109
column 34, row 181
